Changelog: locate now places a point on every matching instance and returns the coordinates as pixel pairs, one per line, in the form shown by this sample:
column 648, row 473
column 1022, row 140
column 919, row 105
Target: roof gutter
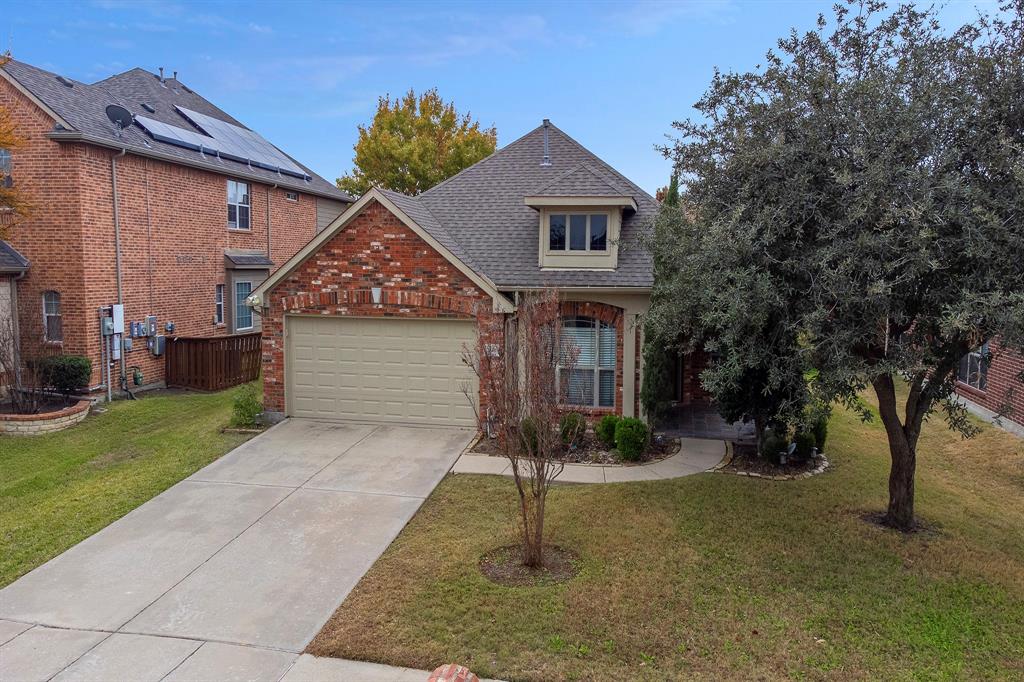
column 606, row 290
column 76, row 136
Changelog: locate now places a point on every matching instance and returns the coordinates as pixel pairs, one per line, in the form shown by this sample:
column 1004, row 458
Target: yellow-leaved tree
column 12, row 204
column 415, row 142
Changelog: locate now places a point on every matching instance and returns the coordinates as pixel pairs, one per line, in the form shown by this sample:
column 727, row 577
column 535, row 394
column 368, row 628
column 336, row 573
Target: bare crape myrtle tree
column 518, row 360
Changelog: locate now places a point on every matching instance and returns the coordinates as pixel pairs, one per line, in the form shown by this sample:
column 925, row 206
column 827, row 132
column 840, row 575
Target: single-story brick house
column 368, row 320
column 144, row 194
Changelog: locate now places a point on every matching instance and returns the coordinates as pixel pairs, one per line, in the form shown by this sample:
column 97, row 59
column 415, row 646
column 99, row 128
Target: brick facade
column 173, row 235
column 376, row 249
column 1002, row 385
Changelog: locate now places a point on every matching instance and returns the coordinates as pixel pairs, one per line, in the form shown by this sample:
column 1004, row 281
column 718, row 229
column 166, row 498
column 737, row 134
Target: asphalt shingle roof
column 10, row 259
column 482, row 211
column 84, row 105
column 250, row 258
column 582, row 181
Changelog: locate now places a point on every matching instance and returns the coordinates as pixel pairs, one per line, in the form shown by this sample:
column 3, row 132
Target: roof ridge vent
column 65, row 82
column 546, row 162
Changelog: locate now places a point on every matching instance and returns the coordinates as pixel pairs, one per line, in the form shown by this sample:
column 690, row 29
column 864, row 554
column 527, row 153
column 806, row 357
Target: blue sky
column 613, row 75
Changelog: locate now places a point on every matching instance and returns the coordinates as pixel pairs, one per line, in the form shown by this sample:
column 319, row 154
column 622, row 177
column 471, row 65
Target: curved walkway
column 695, row 455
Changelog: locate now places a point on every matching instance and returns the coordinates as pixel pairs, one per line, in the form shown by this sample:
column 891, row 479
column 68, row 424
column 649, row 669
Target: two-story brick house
column 145, row 194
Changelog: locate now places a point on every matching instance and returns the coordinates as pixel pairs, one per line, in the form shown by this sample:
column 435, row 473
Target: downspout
column 117, row 256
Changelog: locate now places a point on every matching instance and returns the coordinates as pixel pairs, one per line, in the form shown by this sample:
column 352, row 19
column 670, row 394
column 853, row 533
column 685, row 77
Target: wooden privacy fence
column 212, row 363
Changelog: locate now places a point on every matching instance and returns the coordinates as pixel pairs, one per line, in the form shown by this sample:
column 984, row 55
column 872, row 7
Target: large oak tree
column 861, row 194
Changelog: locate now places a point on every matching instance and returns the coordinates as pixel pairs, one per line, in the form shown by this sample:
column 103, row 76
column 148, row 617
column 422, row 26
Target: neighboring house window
column 6, row 179
column 973, row 369
column 218, row 315
column 578, row 232
column 591, row 381
column 53, row 326
column 238, row 205
column 291, row 196
column 243, row 313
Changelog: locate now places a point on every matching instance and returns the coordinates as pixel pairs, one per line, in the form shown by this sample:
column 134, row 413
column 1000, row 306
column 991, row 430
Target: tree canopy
column 860, row 200
column 415, row 142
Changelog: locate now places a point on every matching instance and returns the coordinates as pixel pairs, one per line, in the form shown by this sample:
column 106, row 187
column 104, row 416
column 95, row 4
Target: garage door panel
column 388, row 370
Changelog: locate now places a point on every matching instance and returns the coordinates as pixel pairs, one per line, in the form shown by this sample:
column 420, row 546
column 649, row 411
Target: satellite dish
column 119, row 116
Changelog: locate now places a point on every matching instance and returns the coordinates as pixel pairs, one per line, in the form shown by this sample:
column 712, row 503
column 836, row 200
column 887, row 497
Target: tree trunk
column 759, row 427
column 903, row 453
column 533, row 534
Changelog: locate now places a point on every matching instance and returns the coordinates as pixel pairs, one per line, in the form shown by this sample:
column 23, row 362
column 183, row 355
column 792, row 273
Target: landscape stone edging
column 468, row 450
column 720, row 468
column 46, row 422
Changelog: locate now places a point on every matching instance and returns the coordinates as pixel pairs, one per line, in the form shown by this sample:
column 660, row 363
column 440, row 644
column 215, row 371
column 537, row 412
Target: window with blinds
column 591, row 380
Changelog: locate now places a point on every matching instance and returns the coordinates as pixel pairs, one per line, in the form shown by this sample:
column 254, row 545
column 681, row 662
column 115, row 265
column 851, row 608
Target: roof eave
column 258, row 297
column 75, row 136
column 35, row 100
column 543, row 201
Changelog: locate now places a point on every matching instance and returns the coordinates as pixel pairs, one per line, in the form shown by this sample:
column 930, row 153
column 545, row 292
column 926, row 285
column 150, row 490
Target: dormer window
column 578, row 232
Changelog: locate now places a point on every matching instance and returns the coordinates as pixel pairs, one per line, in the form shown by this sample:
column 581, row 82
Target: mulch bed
column 745, row 458
column 504, row 566
column 593, row 451
column 54, row 406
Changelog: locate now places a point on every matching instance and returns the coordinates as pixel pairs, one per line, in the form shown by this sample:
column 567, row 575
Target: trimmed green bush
column 67, row 373
column 805, row 444
column 605, row 429
column 528, row 435
column 246, row 408
column 572, row 426
column 631, row 438
column 820, row 430
column 772, row 445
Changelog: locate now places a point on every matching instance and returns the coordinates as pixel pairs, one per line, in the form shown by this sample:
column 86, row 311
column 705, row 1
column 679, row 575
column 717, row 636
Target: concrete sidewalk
column 695, row 456
column 230, row 573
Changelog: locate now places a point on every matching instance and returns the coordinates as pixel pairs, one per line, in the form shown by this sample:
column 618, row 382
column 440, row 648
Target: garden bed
column 56, row 417
column 744, row 461
column 593, row 451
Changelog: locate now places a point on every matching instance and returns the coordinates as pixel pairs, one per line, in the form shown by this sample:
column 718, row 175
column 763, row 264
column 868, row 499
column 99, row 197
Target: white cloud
column 323, row 73
column 258, row 28
column 477, row 35
column 647, row 17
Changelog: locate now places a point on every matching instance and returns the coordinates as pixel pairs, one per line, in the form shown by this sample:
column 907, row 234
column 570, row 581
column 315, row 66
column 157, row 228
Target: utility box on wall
column 157, row 344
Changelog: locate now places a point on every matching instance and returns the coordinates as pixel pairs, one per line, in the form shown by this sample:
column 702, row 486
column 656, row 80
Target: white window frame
column 597, row 367
column 242, row 304
column 47, row 315
column 218, row 304
column 568, row 222
column 247, row 205
column 291, row 196
column 6, row 168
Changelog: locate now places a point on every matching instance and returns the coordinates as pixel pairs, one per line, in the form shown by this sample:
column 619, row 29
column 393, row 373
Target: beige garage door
column 379, row 369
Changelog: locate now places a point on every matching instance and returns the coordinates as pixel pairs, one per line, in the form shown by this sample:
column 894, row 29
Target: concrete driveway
column 230, row 573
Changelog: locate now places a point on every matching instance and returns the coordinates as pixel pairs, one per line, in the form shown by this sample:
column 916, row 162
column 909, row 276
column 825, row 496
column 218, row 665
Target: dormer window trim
column 559, row 255
column 626, row 203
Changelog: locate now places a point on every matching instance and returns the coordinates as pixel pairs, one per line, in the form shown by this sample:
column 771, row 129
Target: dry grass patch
column 719, row 577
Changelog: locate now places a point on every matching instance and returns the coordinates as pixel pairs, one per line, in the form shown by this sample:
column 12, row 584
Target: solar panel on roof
column 256, row 149
column 227, row 141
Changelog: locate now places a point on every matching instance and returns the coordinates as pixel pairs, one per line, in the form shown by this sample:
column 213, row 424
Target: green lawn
column 719, row 577
column 57, row 489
